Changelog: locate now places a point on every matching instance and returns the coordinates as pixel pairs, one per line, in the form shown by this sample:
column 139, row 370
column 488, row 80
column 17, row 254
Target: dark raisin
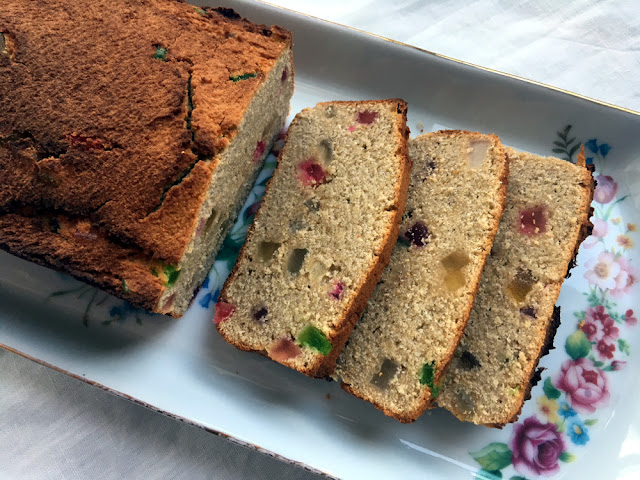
column 417, row 234
column 469, row 361
column 260, row 314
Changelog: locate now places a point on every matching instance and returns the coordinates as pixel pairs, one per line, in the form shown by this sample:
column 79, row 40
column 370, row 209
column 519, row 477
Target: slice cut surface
column 400, row 348
column 322, row 236
column 513, row 319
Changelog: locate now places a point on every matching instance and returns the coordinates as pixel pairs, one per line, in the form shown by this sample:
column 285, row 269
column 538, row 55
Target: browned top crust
column 109, row 107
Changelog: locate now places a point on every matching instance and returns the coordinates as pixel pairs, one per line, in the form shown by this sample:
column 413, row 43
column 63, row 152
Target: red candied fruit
column 260, row 148
column 337, row 291
column 223, row 313
column 311, row 173
column 417, row 234
column 367, row 117
column 89, row 143
column 285, row 74
column 533, row 221
column 284, row 350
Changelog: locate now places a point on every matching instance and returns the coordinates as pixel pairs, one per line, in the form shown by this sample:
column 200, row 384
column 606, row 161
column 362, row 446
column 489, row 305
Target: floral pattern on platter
column 567, row 408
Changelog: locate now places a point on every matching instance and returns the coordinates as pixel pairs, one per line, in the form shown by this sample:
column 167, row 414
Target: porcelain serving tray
column 582, row 420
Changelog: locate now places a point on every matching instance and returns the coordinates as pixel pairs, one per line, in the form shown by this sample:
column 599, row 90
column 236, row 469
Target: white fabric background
column 55, row 427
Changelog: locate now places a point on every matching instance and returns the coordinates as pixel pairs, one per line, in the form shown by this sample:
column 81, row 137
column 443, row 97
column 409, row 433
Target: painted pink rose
column 536, row 447
column 603, row 270
column 618, row 365
column 586, row 386
column 599, row 326
column 626, row 278
column 605, row 349
column 600, row 230
column 606, row 189
column 629, row 318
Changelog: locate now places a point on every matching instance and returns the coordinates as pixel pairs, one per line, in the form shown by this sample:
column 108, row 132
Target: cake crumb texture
column 322, row 236
column 402, row 345
column 512, row 322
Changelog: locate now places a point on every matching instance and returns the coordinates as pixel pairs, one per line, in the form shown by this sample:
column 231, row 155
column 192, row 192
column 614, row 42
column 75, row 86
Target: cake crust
column 81, row 141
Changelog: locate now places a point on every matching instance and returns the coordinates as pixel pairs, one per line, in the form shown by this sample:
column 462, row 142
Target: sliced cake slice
column 411, row 327
column 322, row 236
column 513, row 320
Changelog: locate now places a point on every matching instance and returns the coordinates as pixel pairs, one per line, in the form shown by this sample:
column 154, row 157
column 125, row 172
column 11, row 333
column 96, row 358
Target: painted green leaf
column 517, row 477
column 486, row 475
column 567, row 457
column 172, row 275
column 313, row 337
column 624, row 347
column 573, row 150
column 244, row 76
column 597, row 363
column 493, row 457
column 549, row 390
column 559, row 144
column 160, row 54
column 558, row 150
column 590, row 421
column 577, row 345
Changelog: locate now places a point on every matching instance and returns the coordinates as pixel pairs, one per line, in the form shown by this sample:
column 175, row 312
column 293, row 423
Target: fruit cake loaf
column 512, row 322
column 401, row 347
column 322, row 236
column 130, row 139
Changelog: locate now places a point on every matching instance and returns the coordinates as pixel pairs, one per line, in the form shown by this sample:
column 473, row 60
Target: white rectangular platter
column 183, row 368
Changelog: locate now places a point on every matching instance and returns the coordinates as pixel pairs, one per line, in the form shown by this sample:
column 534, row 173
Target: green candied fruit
column 427, row 376
column 3, row 44
column 244, row 76
column 200, row 11
column 125, row 287
column 403, row 241
column 161, row 53
column 313, row 337
column 172, row 275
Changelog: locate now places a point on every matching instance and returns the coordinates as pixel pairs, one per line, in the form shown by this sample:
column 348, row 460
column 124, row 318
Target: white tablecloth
column 55, row 427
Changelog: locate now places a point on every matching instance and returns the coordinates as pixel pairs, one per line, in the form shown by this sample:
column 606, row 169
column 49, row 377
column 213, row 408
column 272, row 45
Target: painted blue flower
column 589, row 160
column 577, row 431
column 566, row 411
column 205, row 284
column 592, row 145
column 209, row 298
column 604, row 149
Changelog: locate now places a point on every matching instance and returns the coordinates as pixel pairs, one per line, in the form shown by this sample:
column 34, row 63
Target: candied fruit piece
column 476, row 152
column 223, row 313
column 337, row 291
column 87, row 142
column 469, row 361
column 417, row 234
column 455, row 261
column 3, row 44
column 311, row 173
column 387, row 371
column 521, row 285
column 313, row 337
column 454, row 280
column 428, row 376
column 296, row 259
column 285, row 74
column 244, row 76
column 267, row 249
column 529, row 311
column 260, row 314
column 260, row 148
column 161, row 53
column 533, row 221
column 326, row 150
column 284, row 350
column 367, row 117
column 312, row 204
